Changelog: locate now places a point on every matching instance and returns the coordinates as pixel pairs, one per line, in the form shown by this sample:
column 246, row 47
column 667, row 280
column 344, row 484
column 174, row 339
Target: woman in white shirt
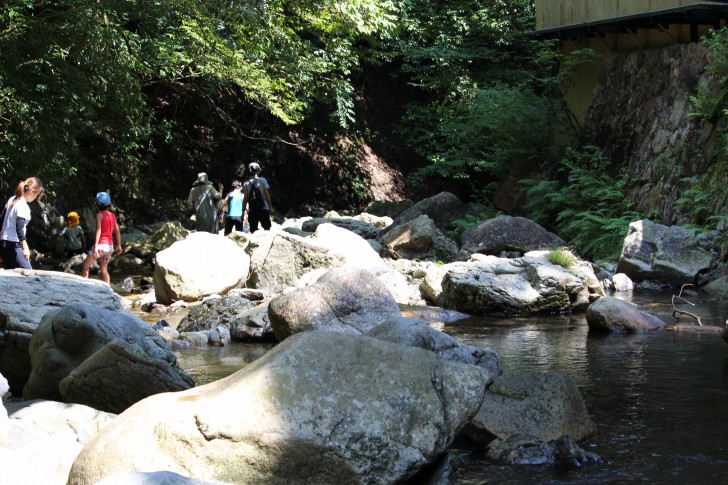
column 14, row 247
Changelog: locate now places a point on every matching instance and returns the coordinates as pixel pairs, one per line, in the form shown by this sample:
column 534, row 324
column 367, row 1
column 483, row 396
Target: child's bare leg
column 103, row 269
column 86, row 265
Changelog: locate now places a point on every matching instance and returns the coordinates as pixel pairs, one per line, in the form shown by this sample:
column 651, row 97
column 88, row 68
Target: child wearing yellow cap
column 73, row 232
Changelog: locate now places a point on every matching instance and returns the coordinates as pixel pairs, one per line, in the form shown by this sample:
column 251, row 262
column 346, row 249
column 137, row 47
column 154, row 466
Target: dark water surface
column 659, row 400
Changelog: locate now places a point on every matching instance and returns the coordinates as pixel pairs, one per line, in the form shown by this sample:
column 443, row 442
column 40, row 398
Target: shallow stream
column 660, row 399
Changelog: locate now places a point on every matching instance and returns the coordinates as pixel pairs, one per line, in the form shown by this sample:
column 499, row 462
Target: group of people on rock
column 16, row 214
column 251, row 197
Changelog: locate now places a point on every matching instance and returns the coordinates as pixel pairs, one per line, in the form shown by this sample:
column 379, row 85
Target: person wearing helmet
column 203, row 201
column 73, row 233
column 106, row 229
column 16, row 215
column 256, row 199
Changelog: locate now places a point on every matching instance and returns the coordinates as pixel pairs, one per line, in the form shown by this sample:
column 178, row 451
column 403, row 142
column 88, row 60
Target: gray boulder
column 279, row 259
column 419, row 239
column 654, row 252
column 488, row 285
column 213, row 312
column 321, row 407
column 614, row 315
column 361, row 228
column 253, row 325
column 416, row 333
column 347, row 300
column 508, row 234
column 431, row 285
column 103, row 359
column 546, row 405
column 442, row 208
column 386, row 208
column 247, row 321
column 25, row 296
column 200, row 265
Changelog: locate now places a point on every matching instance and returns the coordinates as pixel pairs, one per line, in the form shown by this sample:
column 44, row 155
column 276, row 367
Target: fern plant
column 585, row 204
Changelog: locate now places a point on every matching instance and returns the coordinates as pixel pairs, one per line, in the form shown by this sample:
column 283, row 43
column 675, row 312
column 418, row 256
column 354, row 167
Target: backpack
column 256, row 198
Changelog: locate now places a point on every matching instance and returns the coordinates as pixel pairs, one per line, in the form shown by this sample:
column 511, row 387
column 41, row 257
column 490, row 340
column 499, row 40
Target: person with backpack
column 257, row 199
column 232, row 208
column 203, row 200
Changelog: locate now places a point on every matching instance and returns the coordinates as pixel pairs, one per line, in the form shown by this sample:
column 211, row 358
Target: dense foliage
column 583, row 203
column 92, row 92
column 486, row 83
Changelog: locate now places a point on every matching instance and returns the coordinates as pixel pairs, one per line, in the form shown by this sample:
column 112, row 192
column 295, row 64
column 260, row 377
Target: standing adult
column 203, row 201
column 14, row 247
column 232, row 208
column 257, row 199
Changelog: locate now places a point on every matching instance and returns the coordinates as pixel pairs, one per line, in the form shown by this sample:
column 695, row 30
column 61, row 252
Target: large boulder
column 321, row 407
column 546, row 405
column 442, row 208
column 25, row 296
column 279, row 259
column 508, row 234
column 201, row 264
column 103, row 359
column 44, row 438
column 346, row 300
column 419, row 239
column 610, row 314
column 654, row 252
column 488, row 285
column 416, row 333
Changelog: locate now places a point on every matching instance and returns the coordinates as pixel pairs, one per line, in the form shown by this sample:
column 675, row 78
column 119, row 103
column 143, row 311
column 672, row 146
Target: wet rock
column 610, row 314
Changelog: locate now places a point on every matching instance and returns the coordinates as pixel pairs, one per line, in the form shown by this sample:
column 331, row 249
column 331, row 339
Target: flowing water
column 659, row 399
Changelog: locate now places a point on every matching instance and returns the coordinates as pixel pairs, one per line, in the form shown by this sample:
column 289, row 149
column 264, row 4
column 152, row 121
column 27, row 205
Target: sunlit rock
column 200, row 265
column 346, row 300
column 321, row 407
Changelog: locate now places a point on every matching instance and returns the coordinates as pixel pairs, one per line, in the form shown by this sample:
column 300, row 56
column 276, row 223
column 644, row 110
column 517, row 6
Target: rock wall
column 639, row 117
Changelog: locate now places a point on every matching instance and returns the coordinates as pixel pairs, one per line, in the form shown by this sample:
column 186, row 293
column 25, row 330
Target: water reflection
column 658, row 399
column 210, row 364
